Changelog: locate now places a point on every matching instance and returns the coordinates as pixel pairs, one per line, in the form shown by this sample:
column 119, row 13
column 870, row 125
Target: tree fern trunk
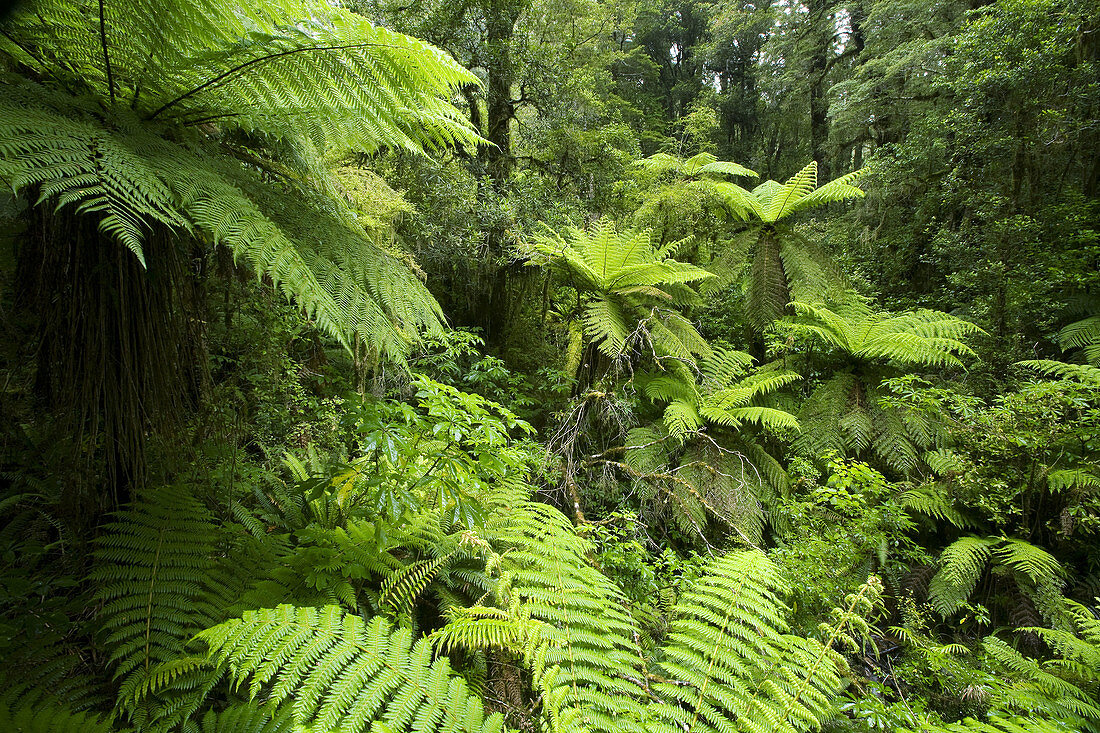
column 119, row 351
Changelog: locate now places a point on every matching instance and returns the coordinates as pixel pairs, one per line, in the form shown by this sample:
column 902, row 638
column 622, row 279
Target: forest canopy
column 515, row 365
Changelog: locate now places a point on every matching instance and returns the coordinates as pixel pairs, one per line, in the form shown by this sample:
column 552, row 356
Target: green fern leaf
column 961, row 564
column 336, row 670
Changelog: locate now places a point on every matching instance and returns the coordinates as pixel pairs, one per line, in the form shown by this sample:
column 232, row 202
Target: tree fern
column 337, row 670
column 631, row 290
column 185, row 124
column 849, row 412
column 918, row 338
column 774, row 263
column 730, row 476
column 182, row 125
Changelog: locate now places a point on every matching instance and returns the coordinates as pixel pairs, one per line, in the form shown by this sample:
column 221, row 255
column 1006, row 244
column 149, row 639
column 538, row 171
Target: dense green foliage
column 360, row 382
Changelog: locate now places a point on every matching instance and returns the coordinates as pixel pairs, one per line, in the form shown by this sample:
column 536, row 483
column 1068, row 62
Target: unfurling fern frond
column 339, row 671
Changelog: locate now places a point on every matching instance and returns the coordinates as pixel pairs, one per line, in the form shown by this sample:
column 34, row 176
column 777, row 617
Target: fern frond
column 1082, row 334
column 928, row 501
column 597, row 680
column 961, row 564
column 725, row 168
column 669, row 386
column 608, row 325
column 1084, row 373
column 924, row 337
column 51, row 717
column 631, row 287
column 820, row 417
column 782, row 201
column 401, row 589
column 1070, row 478
column 248, row 718
column 479, row 628
column 769, row 287
column 723, row 366
column 838, row 189
column 153, row 562
column 337, row 670
column 743, row 204
column 729, row 662
column 681, row 418
column 1028, row 559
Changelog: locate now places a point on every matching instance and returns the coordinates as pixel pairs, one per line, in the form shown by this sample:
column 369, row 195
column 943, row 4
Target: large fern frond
column 339, row 671
column 1083, row 334
column 51, row 717
column 838, row 189
column 961, row 565
column 781, row 201
column 1084, row 373
column 729, row 665
column 153, row 561
column 592, row 642
column 301, row 70
column 1029, row 560
column 925, row 338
